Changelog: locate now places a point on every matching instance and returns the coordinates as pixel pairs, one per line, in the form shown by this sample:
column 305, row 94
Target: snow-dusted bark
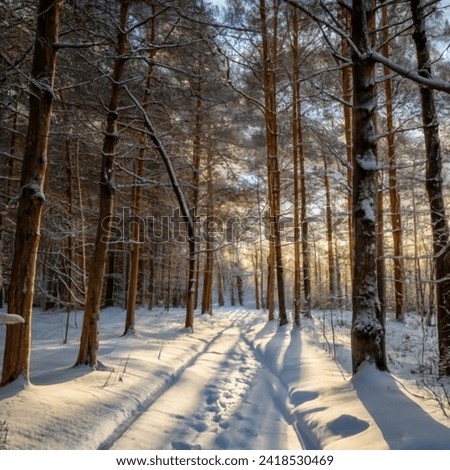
column 89, row 342
column 269, row 56
column 368, row 325
column 394, row 194
column 31, row 198
column 434, row 185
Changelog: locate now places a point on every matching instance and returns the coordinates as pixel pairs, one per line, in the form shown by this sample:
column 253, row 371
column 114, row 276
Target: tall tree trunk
column 256, row 279
column 381, row 263
column 240, row 289
column 270, row 290
column 208, row 273
column 70, row 249
column 264, row 301
column 347, row 97
column 151, row 282
column 367, row 333
column 329, row 219
column 89, row 341
column 168, row 299
column 220, row 297
column 31, row 198
column 196, row 162
column 394, row 196
column 274, row 187
column 232, row 298
column 297, row 147
column 306, row 242
column 137, row 199
column 130, row 317
column 419, row 288
column 434, row 186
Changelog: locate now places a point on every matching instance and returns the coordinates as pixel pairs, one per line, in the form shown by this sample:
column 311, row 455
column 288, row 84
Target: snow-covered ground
column 236, row 382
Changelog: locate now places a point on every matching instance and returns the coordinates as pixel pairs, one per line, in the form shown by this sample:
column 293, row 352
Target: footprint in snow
column 301, row 396
column 199, row 426
column 347, row 425
column 181, row 445
column 212, row 398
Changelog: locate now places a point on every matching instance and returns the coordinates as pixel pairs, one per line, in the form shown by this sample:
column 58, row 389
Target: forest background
column 290, row 156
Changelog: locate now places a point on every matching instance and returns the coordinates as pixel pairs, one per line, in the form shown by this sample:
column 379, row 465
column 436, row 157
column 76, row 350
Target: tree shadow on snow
column 403, row 423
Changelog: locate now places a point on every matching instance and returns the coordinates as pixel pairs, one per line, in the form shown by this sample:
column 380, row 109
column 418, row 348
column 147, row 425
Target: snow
column 10, row 319
column 235, row 382
column 367, row 205
column 367, row 162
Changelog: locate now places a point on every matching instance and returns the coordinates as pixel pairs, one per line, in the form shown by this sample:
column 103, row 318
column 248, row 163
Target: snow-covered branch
column 167, row 162
column 431, row 83
column 434, row 84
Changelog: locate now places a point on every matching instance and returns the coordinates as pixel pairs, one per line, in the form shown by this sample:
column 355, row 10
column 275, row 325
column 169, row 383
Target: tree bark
column 347, row 97
column 306, row 242
column 297, row 153
column 89, row 342
column 332, row 295
column 270, row 115
column 381, row 262
column 130, row 318
column 220, row 296
column 256, row 280
column 419, row 285
column 196, row 160
column 208, row 273
column 394, row 196
column 367, row 333
column 31, row 198
column 434, row 186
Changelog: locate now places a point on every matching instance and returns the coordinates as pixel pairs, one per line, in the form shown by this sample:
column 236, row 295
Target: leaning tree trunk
column 89, row 342
column 434, row 185
column 367, row 333
column 185, row 212
column 31, row 198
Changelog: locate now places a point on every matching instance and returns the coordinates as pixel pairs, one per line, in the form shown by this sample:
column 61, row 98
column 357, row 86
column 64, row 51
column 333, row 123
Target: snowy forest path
column 236, row 382
column 226, row 399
